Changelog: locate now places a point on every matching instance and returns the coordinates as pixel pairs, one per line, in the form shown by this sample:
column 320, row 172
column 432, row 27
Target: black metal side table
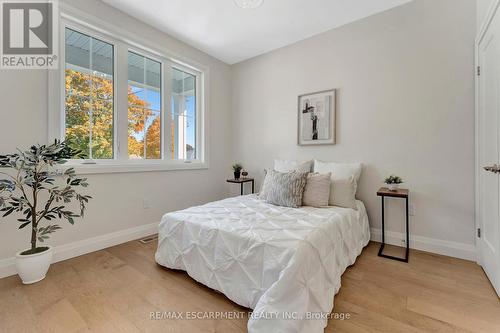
column 403, row 194
column 242, row 181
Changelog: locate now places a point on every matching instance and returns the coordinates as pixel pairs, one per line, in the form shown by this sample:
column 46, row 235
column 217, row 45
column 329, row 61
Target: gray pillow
column 317, row 190
column 284, row 188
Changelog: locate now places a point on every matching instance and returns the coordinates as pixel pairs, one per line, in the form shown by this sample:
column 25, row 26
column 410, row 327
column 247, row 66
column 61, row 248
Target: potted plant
column 237, row 170
column 30, row 189
column 393, row 182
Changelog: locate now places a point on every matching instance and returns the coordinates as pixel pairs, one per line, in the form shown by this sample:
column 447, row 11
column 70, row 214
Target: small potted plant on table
column 237, row 170
column 32, row 191
column 393, row 182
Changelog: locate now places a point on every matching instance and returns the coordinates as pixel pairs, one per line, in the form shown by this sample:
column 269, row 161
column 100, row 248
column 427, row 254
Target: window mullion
column 121, row 95
column 167, row 110
column 91, row 98
column 200, row 118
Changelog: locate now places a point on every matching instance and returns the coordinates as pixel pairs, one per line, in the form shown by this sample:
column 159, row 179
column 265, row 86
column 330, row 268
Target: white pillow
column 339, row 170
column 289, row 165
column 345, row 177
column 317, row 190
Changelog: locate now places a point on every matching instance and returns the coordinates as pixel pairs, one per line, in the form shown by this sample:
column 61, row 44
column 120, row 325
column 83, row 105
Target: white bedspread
column 285, row 263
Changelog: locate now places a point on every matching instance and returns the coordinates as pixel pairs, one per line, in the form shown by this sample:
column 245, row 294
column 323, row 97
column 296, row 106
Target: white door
column 488, row 152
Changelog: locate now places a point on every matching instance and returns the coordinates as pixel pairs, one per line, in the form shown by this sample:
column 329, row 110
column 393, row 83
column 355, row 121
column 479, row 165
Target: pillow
column 343, row 193
column 284, row 188
column 288, row 166
column 317, row 190
column 344, row 184
column 339, row 170
column 263, row 192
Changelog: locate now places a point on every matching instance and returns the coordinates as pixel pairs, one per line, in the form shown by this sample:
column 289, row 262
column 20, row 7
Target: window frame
column 198, row 100
column 62, row 54
column 163, row 108
column 81, row 22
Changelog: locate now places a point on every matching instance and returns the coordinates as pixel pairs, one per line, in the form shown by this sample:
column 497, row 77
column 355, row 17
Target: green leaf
column 8, row 212
column 24, row 225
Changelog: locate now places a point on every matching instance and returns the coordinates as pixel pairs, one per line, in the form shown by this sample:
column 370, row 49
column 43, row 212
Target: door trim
column 487, row 20
column 477, row 168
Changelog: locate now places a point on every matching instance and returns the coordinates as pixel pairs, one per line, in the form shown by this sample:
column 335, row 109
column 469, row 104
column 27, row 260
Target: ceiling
column 233, row 34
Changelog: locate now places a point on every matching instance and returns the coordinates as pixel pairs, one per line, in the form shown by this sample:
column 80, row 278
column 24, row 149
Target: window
column 89, row 94
column 183, row 115
column 127, row 106
column 144, row 107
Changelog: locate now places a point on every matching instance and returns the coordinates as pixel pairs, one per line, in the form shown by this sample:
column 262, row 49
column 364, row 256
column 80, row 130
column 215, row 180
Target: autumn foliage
column 89, row 119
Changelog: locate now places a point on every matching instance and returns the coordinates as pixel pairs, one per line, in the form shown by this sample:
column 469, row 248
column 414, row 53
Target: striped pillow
column 284, row 188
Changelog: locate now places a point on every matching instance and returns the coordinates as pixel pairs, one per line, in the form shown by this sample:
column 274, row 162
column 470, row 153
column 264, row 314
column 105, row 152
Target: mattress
column 284, row 263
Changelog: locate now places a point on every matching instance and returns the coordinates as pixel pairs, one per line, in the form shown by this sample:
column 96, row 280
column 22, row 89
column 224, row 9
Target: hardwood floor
column 116, row 289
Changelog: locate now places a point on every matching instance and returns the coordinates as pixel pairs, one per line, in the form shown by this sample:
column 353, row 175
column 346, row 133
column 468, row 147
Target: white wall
column 405, row 106
column 118, row 198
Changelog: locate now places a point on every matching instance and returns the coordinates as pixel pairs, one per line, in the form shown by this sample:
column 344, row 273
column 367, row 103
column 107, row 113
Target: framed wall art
column 317, row 118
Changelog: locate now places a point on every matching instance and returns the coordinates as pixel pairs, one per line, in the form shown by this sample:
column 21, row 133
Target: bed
column 284, row 263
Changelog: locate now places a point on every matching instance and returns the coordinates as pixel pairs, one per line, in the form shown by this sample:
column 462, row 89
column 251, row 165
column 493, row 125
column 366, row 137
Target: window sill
column 124, row 167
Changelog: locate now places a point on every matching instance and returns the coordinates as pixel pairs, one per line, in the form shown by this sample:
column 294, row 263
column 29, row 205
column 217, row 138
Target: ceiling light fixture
column 246, row 4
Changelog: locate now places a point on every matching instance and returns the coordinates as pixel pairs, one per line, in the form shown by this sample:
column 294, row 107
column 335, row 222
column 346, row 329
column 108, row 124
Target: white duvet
column 284, row 263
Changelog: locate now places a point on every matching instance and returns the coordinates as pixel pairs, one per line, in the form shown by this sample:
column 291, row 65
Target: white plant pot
column 393, row 187
column 33, row 267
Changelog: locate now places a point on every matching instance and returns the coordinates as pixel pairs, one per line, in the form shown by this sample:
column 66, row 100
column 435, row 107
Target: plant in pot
column 237, row 170
column 393, row 182
column 39, row 196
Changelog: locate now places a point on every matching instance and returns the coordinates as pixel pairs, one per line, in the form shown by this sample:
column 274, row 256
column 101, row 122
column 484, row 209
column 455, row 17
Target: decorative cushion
column 343, row 193
column 339, row 170
column 284, row 188
column 344, row 183
column 317, row 190
column 262, row 193
column 288, row 166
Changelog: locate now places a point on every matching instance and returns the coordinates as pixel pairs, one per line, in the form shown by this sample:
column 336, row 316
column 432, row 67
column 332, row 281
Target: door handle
column 495, row 168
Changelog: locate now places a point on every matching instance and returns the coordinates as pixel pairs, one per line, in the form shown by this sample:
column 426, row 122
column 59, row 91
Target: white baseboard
column 447, row 248
column 71, row 250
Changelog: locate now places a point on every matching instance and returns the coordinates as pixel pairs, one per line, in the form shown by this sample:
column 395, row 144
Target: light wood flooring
column 116, row 289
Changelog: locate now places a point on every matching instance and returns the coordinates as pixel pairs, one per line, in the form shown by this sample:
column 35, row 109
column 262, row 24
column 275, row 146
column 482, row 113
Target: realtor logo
column 29, row 34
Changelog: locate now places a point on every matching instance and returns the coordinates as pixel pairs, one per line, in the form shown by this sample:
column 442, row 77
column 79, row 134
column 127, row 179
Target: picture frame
column 316, row 118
